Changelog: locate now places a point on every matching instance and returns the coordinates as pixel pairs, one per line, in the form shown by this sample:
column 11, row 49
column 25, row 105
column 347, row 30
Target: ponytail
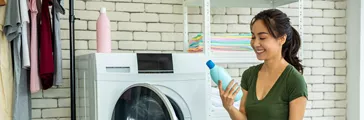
column 290, row 49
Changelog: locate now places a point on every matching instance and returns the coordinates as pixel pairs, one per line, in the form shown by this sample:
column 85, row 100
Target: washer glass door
column 144, row 102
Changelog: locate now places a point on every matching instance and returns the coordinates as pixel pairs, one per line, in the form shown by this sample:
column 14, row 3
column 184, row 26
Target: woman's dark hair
column 278, row 24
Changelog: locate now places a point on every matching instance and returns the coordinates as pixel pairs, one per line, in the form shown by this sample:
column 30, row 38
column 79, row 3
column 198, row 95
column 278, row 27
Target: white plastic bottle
column 103, row 33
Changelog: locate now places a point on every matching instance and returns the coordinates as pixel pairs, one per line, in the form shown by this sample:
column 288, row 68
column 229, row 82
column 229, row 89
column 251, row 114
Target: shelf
column 241, row 3
column 234, row 57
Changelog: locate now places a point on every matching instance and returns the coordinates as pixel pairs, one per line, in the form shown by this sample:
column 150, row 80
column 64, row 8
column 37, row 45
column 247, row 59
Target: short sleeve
column 296, row 87
column 245, row 79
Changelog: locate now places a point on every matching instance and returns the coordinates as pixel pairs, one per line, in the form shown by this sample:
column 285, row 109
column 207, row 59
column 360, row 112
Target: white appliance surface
column 102, row 78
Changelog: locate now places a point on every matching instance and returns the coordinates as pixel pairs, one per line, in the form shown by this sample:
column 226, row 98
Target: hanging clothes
column 6, row 72
column 57, row 9
column 24, row 33
column 35, row 84
column 12, row 30
column 23, row 102
column 46, row 68
column 22, row 107
column 6, row 78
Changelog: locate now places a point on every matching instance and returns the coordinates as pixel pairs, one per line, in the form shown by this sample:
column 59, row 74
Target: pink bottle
column 103, row 33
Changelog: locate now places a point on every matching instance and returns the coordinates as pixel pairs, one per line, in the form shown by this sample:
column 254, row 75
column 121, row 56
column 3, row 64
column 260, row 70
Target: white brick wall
column 156, row 26
column 327, row 62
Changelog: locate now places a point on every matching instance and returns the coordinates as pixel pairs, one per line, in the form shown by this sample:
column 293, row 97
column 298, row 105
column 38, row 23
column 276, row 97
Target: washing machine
column 142, row 86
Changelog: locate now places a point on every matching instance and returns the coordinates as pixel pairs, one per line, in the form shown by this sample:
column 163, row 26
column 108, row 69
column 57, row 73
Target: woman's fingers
column 228, row 88
column 236, row 91
column 220, row 88
column 228, row 95
column 231, row 92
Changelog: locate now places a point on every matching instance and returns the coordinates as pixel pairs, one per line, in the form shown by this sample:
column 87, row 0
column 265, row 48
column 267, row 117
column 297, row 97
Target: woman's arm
column 297, row 108
column 236, row 114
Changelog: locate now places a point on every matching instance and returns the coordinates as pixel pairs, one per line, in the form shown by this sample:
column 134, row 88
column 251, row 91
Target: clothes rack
column 72, row 19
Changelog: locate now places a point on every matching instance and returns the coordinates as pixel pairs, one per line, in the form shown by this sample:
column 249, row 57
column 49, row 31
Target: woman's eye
column 262, row 38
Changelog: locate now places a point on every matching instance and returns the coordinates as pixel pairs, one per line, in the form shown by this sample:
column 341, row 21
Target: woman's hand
column 228, row 95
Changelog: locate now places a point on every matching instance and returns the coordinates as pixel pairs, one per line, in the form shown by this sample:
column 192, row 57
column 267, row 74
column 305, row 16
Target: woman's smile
column 259, row 51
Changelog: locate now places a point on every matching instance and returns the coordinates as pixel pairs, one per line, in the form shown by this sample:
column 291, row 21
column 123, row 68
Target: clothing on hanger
column 22, row 102
column 25, row 25
column 6, row 72
column 12, row 30
column 46, row 66
column 22, row 106
column 6, row 78
column 35, row 84
column 57, row 9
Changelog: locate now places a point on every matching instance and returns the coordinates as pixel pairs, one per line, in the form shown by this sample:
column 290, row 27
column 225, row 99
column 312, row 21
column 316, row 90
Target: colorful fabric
column 222, row 43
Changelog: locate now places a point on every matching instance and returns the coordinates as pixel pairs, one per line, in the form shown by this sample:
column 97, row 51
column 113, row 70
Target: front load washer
column 142, row 86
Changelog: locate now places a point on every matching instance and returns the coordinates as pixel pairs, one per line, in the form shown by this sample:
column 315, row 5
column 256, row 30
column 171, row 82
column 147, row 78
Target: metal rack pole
column 72, row 58
column 207, row 47
column 185, row 30
column 300, row 27
column 207, row 28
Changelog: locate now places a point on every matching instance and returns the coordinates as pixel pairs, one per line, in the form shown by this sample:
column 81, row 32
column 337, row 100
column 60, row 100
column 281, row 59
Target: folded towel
column 222, row 43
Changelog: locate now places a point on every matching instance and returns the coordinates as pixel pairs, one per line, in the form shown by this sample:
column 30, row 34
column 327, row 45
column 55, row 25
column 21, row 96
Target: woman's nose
column 255, row 43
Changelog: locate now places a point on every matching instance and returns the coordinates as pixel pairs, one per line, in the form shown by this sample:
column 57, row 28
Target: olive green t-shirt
column 275, row 105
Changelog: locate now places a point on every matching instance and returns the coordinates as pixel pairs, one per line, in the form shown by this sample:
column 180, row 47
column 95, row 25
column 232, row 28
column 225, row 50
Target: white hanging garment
column 25, row 24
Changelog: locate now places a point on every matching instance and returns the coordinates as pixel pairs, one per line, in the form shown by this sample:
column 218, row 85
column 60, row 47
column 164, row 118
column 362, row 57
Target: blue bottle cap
column 210, row 64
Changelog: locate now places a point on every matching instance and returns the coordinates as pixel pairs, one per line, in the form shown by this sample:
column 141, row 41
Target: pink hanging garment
column 34, row 75
column 103, row 33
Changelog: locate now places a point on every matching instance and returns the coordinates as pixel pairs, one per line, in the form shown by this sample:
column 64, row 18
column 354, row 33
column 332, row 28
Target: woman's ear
column 282, row 40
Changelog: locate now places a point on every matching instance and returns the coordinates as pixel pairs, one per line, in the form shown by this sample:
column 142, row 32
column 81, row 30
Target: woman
column 275, row 89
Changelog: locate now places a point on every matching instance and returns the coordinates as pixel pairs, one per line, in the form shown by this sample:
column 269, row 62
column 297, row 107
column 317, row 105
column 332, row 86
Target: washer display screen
column 155, row 63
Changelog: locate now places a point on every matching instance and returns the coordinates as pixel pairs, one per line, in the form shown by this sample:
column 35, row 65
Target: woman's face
column 264, row 44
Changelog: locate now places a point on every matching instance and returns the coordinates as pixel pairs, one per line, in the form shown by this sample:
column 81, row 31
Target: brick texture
column 157, row 26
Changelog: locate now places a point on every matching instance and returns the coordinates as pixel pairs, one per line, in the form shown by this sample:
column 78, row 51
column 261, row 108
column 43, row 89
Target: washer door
column 144, row 102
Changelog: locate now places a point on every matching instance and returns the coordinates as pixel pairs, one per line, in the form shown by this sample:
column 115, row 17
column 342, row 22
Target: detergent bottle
column 103, row 32
column 218, row 73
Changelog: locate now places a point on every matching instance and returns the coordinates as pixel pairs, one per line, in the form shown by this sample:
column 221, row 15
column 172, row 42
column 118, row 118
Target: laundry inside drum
column 141, row 103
